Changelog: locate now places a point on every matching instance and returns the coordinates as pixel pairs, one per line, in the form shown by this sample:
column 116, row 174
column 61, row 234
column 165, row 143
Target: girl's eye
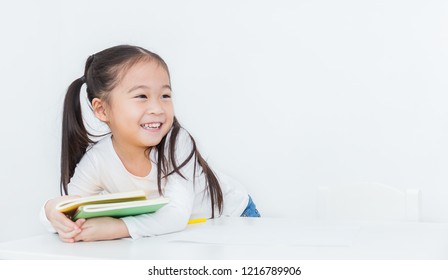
column 166, row 96
column 141, row 96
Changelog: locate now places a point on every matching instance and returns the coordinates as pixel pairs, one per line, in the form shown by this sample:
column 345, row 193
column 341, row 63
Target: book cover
column 121, row 209
column 112, row 205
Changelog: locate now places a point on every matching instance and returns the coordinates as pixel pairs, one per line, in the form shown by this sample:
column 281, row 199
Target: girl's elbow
column 180, row 223
column 176, row 222
column 179, row 227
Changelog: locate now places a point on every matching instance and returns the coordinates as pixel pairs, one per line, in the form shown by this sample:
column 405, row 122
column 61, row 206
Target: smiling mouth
column 151, row 126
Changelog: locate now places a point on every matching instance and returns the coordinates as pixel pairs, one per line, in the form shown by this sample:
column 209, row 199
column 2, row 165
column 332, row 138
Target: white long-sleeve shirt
column 101, row 171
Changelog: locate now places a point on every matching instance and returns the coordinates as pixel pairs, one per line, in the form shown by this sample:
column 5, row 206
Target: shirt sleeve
column 44, row 220
column 181, row 192
column 85, row 180
column 171, row 218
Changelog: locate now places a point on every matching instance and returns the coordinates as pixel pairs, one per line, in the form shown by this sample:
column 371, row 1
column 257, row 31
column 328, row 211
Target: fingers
column 61, row 222
column 69, row 236
column 75, row 234
column 66, row 228
column 80, row 222
column 86, row 228
column 70, row 233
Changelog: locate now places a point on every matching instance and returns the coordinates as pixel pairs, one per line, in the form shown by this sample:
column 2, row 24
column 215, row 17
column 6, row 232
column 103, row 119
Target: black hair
column 102, row 73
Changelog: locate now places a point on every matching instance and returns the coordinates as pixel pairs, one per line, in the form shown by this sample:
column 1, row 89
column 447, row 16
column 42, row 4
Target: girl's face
column 140, row 111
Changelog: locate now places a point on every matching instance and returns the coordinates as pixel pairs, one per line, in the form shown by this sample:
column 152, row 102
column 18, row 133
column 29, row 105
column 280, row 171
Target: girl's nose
column 154, row 107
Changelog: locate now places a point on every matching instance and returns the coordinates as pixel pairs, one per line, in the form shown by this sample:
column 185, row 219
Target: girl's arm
column 103, row 228
column 171, row 218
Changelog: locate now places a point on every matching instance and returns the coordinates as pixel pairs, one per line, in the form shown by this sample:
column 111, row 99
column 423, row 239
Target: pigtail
column 75, row 137
column 167, row 165
column 212, row 183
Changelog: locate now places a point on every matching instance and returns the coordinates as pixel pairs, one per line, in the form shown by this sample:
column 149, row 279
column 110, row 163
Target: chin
column 153, row 143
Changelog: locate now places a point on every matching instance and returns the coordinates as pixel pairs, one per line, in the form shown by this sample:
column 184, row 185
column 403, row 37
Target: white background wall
column 284, row 95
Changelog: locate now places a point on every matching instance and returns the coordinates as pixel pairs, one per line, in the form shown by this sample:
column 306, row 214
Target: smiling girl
column 129, row 89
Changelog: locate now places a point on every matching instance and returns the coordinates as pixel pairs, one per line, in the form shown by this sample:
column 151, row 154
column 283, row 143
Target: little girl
column 129, row 89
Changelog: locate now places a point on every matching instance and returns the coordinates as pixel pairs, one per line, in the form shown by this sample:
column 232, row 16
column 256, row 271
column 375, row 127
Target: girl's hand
column 102, row 228
column 66, row 228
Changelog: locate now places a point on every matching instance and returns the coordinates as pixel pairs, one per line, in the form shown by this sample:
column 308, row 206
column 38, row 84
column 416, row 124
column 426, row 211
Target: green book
column 111, row 205
column 120, row 209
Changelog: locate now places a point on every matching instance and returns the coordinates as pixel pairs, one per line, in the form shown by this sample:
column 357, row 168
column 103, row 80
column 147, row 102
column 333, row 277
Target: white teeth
column 151, row 125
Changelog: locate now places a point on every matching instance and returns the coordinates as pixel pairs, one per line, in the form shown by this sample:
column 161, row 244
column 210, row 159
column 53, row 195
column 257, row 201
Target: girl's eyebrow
column 146, row 87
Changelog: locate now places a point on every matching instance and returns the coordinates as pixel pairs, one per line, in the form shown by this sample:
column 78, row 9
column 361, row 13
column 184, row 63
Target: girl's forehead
column 148, row 71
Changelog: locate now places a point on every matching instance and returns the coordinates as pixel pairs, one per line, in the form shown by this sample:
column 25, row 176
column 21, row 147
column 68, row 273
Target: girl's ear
column 99, row 109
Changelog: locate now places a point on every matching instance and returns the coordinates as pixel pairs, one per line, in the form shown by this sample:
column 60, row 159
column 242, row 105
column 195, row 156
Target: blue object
column 251, row 209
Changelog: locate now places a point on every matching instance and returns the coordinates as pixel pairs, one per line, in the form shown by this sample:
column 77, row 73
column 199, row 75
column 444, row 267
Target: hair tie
column 83, row 79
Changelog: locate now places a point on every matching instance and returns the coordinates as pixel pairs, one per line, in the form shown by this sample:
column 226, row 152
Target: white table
column 254, row 238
